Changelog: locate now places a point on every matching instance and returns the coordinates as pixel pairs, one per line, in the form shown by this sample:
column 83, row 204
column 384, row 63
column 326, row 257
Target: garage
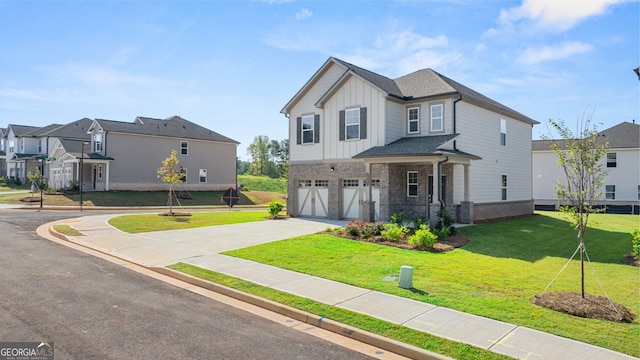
column 354, row 192
column 312, row 199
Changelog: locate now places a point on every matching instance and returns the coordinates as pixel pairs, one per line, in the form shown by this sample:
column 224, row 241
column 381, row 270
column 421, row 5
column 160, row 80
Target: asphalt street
column 94, row 309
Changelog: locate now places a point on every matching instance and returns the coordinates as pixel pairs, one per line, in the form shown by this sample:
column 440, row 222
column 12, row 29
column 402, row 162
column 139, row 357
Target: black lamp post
column 41, row 185
column 81, row 171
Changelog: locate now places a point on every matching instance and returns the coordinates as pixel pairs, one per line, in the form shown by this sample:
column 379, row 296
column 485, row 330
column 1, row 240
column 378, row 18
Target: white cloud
column 535, row 55
column 557, row 14
column 303, row 14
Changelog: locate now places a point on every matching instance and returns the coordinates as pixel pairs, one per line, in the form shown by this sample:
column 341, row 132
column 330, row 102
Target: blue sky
column 232, row 65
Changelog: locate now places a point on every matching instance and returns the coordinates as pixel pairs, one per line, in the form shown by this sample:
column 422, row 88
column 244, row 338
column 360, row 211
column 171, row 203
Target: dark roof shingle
column 413, row 146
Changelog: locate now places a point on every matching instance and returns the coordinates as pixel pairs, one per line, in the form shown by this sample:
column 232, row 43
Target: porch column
column 367, row 210
column 106, row 182
column 466, row 181
column 436, row 183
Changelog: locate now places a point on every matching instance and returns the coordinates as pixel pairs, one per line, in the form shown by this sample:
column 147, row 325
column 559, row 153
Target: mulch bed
column 453, row 241
column 629, row 260
column 592, row 306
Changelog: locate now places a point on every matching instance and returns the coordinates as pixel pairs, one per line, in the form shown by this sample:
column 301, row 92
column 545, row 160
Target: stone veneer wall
column 502, row 209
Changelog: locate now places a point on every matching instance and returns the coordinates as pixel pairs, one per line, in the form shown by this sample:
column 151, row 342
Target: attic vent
column 183, row 127
column 165, row 125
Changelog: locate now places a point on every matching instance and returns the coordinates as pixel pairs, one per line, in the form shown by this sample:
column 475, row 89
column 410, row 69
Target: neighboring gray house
column 118, row 155
column 3, row 154
column 366, row 146
column 622, row 187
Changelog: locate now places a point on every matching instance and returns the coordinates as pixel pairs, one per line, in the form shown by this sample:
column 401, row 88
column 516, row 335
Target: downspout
column 454, row 120
column 440, row 179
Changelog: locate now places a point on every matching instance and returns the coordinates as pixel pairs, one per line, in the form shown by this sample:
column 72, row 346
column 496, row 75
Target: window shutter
column 341, row 125
column 363, row 123
column 299, row 130
column 316, row 128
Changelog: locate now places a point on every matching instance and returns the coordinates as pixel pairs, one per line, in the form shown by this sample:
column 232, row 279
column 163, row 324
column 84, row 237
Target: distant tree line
column 268, row 158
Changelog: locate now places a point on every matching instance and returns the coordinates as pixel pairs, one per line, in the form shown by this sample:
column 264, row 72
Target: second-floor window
column 307, row 129
column 612, row 159
column 413, row 120
column 184, row 148
column 353, row 124
column 503, row 132
column 437, row 119
column 97, row 142
column 11, row 146
column 40, row 146
column 203, row 175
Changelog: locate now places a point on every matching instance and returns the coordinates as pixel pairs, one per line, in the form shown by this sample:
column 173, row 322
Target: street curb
column 364, row 336
column 381, row 342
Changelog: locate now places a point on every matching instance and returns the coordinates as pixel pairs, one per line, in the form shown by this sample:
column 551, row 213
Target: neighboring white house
column 622, row 187
column 366, row 146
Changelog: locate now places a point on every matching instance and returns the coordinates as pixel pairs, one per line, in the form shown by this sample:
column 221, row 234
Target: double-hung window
column 412, row 183
column 413, row 120
column 610, row 192
column 503, row 132
column 11, row 146
column 352, row 123
column 183, row 173
column 612, row 160
column 437, row 119
column 97, row 142
column 184, row 147
column 504, row 187
column 307, row 129
column 203, row 175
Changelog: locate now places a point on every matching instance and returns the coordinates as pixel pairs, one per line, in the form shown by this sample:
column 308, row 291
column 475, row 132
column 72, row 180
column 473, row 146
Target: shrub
column 74, row 185
column 275, row 207
column 442, row 233
column 370, row 230
column 423, row 238
column 635, row 241
column 393, row 231
column 418, row 221
column 354, row 228
column 398, row 218
column 445, row 221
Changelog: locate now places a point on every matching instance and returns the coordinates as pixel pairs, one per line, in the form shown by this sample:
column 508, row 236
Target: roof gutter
column 454, row 120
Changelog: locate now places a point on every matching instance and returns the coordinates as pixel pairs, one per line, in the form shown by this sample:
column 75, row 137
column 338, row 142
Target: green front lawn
column 495, row 276
column 153, row 222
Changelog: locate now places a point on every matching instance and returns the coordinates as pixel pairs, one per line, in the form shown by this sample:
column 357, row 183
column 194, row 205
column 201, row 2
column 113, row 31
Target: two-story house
column 21, row 145
column 366, row 146
column 3, row 154
column 622, row 162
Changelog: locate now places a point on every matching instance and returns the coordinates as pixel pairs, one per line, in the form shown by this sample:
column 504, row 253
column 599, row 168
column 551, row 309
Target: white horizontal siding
column 480, row 135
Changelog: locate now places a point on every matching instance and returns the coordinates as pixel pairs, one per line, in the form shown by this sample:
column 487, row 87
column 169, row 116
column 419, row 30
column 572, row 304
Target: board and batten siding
column 136, row 169
column 479, row 131
column 353, row 93
column 306, row 106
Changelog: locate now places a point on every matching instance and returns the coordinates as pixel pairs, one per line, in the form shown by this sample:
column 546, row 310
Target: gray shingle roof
column 623, row 135
column 41, row 130
column 73, row 130
column 413, row 146
column 387, row 85
column 74, row 147
column 174, row 126
column 20, row 130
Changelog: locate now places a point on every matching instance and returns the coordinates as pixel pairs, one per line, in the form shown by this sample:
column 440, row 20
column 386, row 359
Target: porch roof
column 414, row 146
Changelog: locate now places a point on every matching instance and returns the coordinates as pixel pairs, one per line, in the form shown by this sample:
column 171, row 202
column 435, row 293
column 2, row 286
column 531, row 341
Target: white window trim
column 441, row 117
column 184, row 171
column 311, row 130
column 613, row 161
column 97, row 142
column 409, row 183
column 612, row 192
column 347, row 124
column 503, row 132
column 416, row 120
column 184, row 148
column 100, row 172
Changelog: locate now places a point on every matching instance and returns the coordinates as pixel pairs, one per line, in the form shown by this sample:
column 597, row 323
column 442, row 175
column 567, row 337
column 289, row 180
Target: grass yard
column 263, row 183
column 495, row 276
column 153, row 222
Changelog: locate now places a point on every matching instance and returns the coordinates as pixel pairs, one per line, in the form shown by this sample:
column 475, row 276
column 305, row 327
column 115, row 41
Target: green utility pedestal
column 406, row 277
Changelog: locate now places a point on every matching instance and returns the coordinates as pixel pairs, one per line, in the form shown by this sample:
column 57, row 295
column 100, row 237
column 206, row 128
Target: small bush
column 370, row 230
column 445, row 221
column 443, row 232
column 635, row 241
column 398, row 218
column 275, row 207
column 423, row 238
column 354, row 228
column 393, row 232
column 418, row 221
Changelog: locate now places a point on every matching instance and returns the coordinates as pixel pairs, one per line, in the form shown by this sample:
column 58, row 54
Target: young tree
column 579, row 157
column 171, row 173
column 35, row 177
column 259, row 151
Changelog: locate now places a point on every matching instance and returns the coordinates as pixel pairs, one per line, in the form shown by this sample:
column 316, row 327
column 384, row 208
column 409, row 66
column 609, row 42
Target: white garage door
column 313, row 196
column 354, row 192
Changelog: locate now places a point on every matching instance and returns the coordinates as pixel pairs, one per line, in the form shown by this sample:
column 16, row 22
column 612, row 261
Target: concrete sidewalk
column 202, row 247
